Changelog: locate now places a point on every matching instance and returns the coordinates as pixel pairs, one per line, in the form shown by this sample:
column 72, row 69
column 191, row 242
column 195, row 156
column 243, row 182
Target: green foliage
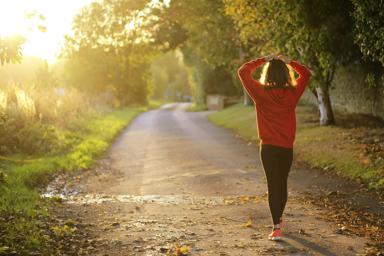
column 169, row 77
column 369, row 36
column 29, row 137
column 197, row 71
column 32, row 119
column 220, row 81
column 369, row 28
column 10, row 49
column 205, row 79
column 89, row 70
column 3, row 176
column 208, row 41
column 109, row 50
column 319, row 33
column 210, row 32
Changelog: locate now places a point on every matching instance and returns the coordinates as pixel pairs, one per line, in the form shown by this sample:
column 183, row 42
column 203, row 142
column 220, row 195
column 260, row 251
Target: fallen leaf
column 248, row 224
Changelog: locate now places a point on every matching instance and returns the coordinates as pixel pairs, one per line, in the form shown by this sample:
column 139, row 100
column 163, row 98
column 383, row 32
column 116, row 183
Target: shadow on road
column 309, row 245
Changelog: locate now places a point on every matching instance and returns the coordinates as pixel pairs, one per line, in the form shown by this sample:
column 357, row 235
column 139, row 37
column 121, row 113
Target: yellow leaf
column 248, row 224
column 42, row 28
column 184, row 250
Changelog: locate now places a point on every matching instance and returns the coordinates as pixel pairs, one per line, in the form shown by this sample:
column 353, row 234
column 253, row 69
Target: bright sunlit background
column 58, row 16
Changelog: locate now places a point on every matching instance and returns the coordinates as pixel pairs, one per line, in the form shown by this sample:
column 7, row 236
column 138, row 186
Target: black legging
column 277, row 163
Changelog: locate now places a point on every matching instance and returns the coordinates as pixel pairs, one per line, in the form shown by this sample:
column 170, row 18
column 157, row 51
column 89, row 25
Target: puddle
column 156, row 199
column 74, row 195
column 59, row 189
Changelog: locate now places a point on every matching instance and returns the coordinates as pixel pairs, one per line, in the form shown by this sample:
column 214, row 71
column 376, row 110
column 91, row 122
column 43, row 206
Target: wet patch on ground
column 84, row 199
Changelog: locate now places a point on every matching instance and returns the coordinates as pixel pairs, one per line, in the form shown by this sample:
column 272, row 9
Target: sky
column 58, row 19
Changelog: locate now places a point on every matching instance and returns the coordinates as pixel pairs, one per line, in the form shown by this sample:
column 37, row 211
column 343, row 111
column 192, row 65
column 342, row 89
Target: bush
column 32, row 121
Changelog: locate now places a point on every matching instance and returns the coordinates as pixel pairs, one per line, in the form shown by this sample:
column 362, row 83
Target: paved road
column 174, row 178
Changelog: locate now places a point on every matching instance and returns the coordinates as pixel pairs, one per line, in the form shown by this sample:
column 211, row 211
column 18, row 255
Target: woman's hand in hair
column 283, row 58
column 270, row 57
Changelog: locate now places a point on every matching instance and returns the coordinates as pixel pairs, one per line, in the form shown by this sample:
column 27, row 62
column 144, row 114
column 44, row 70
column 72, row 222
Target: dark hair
column 276, row 74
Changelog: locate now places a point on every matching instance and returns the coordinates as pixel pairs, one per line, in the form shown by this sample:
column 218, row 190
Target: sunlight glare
column 58, row 16
column 12, row 19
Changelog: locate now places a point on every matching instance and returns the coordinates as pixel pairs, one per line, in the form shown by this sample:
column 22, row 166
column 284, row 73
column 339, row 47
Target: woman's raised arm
column 304, row 75
column 245, row 75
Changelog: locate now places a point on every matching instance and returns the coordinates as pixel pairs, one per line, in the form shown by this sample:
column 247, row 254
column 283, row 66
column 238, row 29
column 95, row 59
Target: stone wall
column 348, row 94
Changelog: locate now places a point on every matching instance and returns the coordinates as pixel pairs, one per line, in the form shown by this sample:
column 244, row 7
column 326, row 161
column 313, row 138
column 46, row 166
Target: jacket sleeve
column 245, row 75
column 302, row 80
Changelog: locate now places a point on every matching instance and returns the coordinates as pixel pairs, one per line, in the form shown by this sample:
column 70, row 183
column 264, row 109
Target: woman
column 275, row 96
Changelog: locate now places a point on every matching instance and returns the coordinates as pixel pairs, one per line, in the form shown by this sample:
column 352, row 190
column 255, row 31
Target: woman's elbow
column 239, row 70
column 242, row 71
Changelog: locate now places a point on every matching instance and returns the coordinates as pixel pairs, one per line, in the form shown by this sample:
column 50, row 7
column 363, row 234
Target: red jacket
column 275, row 108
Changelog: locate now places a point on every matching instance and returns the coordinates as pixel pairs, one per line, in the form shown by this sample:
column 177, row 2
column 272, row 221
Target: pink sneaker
column 275, row 235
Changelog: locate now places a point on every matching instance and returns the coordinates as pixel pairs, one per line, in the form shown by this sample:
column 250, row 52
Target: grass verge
column 343, row 149
column 24, row 229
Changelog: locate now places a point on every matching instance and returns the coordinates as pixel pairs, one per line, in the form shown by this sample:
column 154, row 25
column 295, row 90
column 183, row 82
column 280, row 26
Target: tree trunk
column 325, row 107
column 247, row 100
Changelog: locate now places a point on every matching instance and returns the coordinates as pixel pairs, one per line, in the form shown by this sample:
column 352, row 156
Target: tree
column 318, row 32
column 369, row 25
column 108, row 49
column 207, row 38
column 10, row 49
column 369, row 36
column 89, row 70
column 169, row 77
column 10, row 46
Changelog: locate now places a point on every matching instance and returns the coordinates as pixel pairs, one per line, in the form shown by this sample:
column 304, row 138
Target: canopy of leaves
column 208, row 40
column 369, row 28
column 318, row 32
column 206, row 27
column 108, row 49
